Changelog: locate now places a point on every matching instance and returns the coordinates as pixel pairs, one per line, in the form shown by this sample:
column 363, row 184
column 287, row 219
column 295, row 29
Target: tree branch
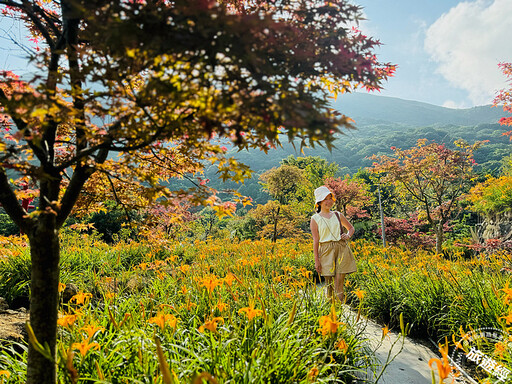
column 11, row 204
column 80, row 176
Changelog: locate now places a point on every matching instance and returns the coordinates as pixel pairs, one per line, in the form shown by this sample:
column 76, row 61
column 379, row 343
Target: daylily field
column 244, row 312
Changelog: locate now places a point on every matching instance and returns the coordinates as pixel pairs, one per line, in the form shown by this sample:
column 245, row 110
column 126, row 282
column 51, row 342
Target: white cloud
column 468, row 42
column 454, row 105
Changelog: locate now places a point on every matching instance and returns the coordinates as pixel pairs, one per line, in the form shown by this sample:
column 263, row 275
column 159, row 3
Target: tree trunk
column 44, row 298
column 439, row 238
column 274, row 236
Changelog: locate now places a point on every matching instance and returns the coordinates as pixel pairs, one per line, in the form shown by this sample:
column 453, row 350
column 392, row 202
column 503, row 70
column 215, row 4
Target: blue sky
column 447, row 50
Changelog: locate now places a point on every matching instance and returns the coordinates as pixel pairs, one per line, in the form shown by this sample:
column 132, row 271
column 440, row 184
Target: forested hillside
column 385, row 122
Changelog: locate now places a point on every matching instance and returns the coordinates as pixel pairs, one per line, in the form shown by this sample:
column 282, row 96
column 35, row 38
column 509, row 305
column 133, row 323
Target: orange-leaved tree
column 119, row 86
column 351, row 193
column 504, row 97
column 433, row 176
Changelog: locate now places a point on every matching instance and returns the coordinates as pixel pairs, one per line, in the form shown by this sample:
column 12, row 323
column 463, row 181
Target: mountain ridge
column 367, row 109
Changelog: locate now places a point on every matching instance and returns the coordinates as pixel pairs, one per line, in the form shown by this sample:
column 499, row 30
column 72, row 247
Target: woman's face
column 328, row 202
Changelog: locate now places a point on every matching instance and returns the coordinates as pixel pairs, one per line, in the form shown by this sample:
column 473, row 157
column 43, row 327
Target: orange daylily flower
column 385, row 331
column 81, row 298
column 221, row 306
column 66, row 320
column 162, row 319
column 359, row 293
column 84, row 346
column 328, row 325
column 443, row 365
column 5, row 373
column 91, row 330
column 508, row 294
column 250, row 312
column 507, row 318
column 229, row 279
column 210, row 283
column 342, row 346
column 313, row 373
column 211, row 325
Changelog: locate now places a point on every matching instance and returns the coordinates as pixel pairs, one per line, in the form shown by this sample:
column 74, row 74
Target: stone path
column 410, row 358
column 410, row 364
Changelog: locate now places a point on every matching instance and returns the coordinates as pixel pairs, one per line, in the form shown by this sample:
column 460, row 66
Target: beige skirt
column 336, row 257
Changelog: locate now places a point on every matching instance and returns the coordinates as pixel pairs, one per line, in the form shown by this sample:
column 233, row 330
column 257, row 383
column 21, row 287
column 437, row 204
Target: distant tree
column 350, row 193
column 316, row 169
column 122, row 85
column 283, row 184
column 432, row 175
column 276, row 221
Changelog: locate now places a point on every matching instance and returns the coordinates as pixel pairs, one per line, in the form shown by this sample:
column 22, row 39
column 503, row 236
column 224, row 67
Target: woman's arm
column 347, row 225
column 316, row 241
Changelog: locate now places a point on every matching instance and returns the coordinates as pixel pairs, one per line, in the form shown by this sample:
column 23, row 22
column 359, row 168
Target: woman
column 333, row 257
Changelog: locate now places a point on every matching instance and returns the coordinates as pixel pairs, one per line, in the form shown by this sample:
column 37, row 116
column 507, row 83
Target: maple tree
column 352, row 194
column 136, row 92
column 504, row 97
column 433, row 176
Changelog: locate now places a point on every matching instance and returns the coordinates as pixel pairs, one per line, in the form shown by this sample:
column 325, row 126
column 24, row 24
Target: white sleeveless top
column 328, row 229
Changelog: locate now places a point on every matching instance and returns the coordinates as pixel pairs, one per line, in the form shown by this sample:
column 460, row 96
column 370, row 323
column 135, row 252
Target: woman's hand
column 345, row 236
column 318, row 267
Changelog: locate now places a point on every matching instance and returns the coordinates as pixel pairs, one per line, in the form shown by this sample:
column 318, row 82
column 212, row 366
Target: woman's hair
column 318, row 208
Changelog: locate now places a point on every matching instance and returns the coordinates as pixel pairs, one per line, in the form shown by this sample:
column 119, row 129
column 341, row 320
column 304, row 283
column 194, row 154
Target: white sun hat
column 321, row 193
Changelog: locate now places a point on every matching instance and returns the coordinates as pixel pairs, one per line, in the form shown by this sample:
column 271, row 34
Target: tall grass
column 436, row 295
column 233, row 312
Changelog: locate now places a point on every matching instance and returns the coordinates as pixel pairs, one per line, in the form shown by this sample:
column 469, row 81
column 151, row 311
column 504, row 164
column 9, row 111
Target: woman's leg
column 339, row 285
column 328, row 284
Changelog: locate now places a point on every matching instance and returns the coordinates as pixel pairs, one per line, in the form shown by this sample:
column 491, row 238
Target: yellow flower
column 210, row 282
column 143, row 266
column 508, row 294
column 328, row 325
column 359, row 293
column 67, row 320
column 211, row 325
column 184, row 289
column 84, row 346
column 250, row 312
column 443, row 366
column 81, row 298
column 313, row 373
column 5, row 373
column 305, row 273
column 185, row 268
column 91, row 330
column 162, row 319
column 342, row 346
column 109, row 295
column 507, row 318
column 385, row 331
column 229, row 279
column 62, row 286
column 221, row 306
